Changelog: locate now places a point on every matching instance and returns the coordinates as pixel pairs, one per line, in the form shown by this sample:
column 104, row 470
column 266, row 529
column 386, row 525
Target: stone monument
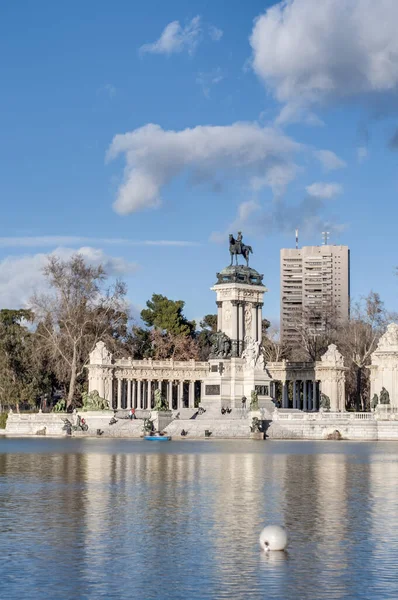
column 384, row 367
column 236, row 365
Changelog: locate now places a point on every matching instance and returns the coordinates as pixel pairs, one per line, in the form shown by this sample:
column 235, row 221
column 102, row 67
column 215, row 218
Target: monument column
column 254, row 321
column 294, row 393
column 180, row 395
column 101, row 385
column 149, row 394
column 191, row 401
column 259, row 322
column 139, row 394
column 129, row 405
column 134, row 393
column 170, row 394
column 305, row 395
column 219, row 315
column 285, row 398
column 314, row 394
column 234, row 327
column 241, row 330
column 119, row 394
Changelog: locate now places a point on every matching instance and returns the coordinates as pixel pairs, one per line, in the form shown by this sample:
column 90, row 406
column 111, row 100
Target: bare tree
column 75, row 314
column 273, row 349
column 314, row 330
column 358, row 339
column 170, row 345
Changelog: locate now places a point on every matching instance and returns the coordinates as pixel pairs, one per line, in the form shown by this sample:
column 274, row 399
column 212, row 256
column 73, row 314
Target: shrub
column 3, row 420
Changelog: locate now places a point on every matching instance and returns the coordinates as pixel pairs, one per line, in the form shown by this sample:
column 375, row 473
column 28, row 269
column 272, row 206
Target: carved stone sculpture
column 160, row 402
column 100, row 355
column 333, row 356
column 374, row 402
column 254, row 400
column 221, row 345
column 252, row 354
column 390, row 338
column 384, row 396
column 324, row 402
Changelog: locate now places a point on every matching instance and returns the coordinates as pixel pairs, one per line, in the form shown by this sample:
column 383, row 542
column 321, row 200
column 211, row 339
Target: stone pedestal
column 161, row 418
column 229, row 380
column 240, row 292
column 330, row 371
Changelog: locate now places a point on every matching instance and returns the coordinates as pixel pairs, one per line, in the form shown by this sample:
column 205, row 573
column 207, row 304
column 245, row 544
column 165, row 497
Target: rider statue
column 239, row 239
column 236, row 247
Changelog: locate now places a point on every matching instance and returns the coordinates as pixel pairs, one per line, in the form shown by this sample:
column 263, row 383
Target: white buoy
column 273, row 537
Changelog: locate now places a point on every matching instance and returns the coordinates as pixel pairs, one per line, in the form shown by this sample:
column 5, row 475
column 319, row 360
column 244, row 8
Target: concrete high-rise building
column 315, row 281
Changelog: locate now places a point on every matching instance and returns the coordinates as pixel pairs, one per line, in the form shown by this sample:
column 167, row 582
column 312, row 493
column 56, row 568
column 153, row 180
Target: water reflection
column 103, row 519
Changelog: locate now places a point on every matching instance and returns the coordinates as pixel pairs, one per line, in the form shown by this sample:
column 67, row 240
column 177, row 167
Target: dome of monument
column 240, row 274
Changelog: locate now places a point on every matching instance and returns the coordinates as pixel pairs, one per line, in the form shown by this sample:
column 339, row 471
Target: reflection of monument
column 237, row 362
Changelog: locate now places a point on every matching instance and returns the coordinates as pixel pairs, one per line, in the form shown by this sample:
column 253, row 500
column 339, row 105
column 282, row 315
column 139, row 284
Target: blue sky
column 262, row 125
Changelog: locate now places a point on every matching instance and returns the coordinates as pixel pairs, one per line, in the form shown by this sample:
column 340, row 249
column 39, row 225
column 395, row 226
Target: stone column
column 294, row 393
column 191, row 401
column 129, row 405
column 119, row 394
column 254, row 321
column 139, row 393
column 180, row 395
column 259, row 322
column 160, row 384
column 305, row 395
column 101, row 386
column 314, row 396
column 285, row 397
column 219, row 315
column 202, row 390
column 241, row 329
column 149, row 394
column 133, row 393
column 170, row 394
column 234, row 322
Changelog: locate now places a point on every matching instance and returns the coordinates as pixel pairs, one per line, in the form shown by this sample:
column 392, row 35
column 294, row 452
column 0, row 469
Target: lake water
column 123, row 519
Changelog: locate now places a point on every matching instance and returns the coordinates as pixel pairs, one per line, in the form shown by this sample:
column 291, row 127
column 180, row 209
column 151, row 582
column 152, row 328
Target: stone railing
column 322, row 416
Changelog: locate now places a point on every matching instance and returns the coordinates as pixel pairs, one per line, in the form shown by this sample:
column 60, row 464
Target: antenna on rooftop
column 325, row 235
column 296, row 239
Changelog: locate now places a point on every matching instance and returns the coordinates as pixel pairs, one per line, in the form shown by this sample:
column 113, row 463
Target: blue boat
column 157, row 438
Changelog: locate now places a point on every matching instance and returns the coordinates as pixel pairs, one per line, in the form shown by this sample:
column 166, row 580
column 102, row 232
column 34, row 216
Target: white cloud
column 324, row 190
column 246, row 210
column 154, row 157
column 329, row 160
column 215, row 33
column 362, row 153
column 277, row 178
column 70, row 240
column 207, row 80
column 175, row 38
column 326, row 50
column 280, row 216
column 21, row 276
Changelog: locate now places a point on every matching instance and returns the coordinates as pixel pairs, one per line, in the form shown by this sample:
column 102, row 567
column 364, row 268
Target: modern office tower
column 315, row 283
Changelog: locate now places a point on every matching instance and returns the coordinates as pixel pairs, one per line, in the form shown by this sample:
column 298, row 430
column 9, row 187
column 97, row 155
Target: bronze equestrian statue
column 236, row 246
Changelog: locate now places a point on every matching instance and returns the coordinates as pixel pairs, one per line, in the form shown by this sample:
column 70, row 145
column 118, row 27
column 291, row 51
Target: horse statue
column 236, row 247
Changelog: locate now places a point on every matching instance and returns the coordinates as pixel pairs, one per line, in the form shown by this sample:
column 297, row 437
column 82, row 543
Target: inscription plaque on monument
column 212, row 390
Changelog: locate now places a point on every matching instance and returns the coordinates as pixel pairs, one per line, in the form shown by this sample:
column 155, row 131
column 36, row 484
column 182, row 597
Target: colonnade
column 140, row 393
column 298, row 394
column 244, row 319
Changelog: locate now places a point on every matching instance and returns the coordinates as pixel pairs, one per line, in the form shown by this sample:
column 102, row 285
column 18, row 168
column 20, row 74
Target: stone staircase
column 233, row 425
